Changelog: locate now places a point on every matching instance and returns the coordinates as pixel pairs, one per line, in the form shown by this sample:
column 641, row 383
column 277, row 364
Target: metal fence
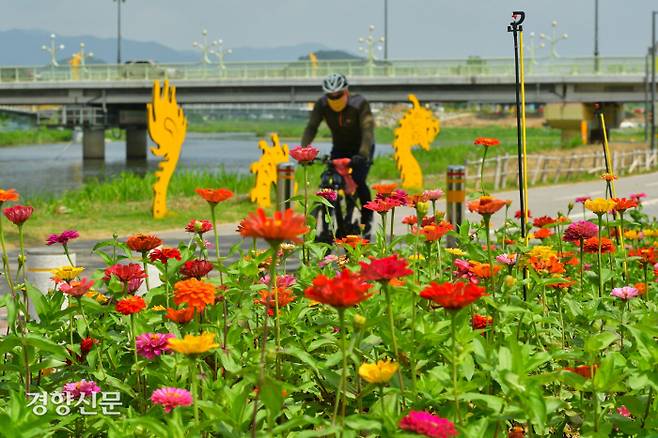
column 502, row 171
column 468, row 68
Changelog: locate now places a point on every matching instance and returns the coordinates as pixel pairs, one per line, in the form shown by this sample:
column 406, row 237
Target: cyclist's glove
column 358, row 160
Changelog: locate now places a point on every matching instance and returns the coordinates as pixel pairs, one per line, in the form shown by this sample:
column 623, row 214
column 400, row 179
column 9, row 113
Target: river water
column 50, row 169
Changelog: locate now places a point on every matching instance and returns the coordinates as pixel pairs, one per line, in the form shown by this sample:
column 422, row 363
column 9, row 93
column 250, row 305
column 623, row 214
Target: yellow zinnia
column 456, row 252
column 542, row 252
column 599, row 206
column 67, row 273
column 94, row 295
column 415, row 257
column 380, row 372
column 194, row 344
column 631, row 235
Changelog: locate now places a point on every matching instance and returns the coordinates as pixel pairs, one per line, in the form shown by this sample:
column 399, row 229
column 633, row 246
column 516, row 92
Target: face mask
column 338, row 105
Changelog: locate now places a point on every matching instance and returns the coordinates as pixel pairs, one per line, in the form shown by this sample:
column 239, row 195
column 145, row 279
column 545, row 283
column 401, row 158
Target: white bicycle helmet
column 334, row 83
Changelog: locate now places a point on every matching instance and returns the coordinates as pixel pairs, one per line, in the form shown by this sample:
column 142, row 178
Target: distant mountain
column 23, row 47
column 327, row 55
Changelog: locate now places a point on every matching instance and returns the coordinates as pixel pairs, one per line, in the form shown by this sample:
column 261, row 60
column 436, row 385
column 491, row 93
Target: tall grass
column 34, row 136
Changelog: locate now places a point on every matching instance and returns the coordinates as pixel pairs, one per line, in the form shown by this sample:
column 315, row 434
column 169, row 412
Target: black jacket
column 352, row 129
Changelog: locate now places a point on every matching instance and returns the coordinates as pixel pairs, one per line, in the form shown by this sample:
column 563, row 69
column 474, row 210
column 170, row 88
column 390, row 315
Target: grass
column 34, row 136
column 123, row 204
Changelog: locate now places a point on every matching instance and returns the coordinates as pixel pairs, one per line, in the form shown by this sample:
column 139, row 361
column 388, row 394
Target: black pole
column 596, row 36
column 647, row 107
column 653, row 80
column 386, row 29
column 515, row 27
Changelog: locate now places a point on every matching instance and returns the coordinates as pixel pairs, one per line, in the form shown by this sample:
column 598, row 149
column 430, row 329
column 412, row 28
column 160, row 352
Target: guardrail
column 472, row 67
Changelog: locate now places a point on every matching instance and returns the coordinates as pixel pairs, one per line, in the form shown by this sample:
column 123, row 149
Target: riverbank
column 34, row 136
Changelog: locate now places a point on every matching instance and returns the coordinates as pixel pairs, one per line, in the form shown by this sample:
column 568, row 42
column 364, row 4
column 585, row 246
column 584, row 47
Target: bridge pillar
column 93, row 143
column 136, row 143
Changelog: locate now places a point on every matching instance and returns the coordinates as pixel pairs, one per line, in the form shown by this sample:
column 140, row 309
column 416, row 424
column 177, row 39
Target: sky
column 418, row 29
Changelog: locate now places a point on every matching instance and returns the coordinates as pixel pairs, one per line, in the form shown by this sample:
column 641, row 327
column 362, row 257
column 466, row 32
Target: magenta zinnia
column 62, row 238
column 82, row 387
column 580, row 230
column 151, row 345
column 18, row 214
column 424, row 423
column 169, row 398
column 386, row 268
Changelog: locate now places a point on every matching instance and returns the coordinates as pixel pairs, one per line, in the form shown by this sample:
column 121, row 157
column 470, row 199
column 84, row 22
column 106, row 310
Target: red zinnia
column 386, row 268
column 479, row 322
column 380, row 205
column 543, row 233
column 164, row 254
column 282, row 226
column 180, row 316
column 18, row 214
column 130, row 305
column 591, row 245
column 646, row 255
column 487, row 141
column 452, row 296
column 586, row 371
column 542, row 221
column 486, row 205
column 130, row 275
column 143, row 242
column 623, row 204
column 198, row 226
column 344, row 290
column 304, row 154
column 196, row 268
column 518, row 213
column 214, row 196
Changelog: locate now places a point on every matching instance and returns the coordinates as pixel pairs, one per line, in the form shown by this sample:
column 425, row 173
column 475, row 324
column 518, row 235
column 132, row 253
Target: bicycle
column 337, row 177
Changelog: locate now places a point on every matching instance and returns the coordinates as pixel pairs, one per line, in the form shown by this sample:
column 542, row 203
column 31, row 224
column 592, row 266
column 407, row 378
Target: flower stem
column 392, row 222
column 582, row 287
column 484, row 156
column 340, row 398
column 5, row 264
column 195, row 390
column 216, row 234
column 391, row 323
column 137, row 373
column 145, row 265
column 455, row 389
column 68, row 255
column 599, row 257
column 305, row 255
column 646, row 410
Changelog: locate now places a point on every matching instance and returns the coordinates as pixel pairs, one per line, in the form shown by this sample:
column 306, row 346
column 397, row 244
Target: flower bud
column 422, row 208
column 509, row 281
column 359, row 321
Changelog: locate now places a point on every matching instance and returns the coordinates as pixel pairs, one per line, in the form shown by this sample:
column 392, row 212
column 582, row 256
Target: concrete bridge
column 100, row 96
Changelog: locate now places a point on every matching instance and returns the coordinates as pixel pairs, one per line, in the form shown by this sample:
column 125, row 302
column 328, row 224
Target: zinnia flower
column 193, row 344
column 542, row 221
column 645, row 256
column 198, row 226
column 483, row 270
column 150, row 345
column 170, row 398
column 85, row 347
column 131, row 304
column 164, row 254
column 582, row 199
column 452, row 296
column 580, row 230
column 214, row 196
column 344, row 290
column 194, row 293
column 479, row 322
column 625, row 293
column 351, row 240
column 486, row 205
column 77, row 288
column 143, row 242
column 180, row 316
column 586, row 371
column 623, row 204
column 328, row 194
column 76, row 389
column 304, row 155
column 608, row 177
column 434, row 232
column 507, row 259
column 268, row 298
column 196, row 268
column 599, row 206
column 66, row 273
column 543, row 233
column 433, row 195
column 131, row 275
column 623, row 411
column 424, row 423
column 385, row 269
column 591, row 245
column 282, row 226
column 62, row 238
column 380, row 372
column 18, row 214
column 637, row 196
column 384, row 189
column 487, row 141
column 285, row 280
column 8, row 195
column 380, row 205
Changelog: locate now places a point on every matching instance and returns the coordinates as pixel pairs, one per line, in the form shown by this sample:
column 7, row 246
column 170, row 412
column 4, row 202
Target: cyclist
column 352, row 126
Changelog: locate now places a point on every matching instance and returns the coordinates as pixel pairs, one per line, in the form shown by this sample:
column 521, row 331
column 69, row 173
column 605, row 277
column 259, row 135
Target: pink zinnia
column 507, row 259
column 433, row 195
column 424, row 423
column 625, row 293
column 623, row 411
column 328, row 194
column 77, row 288
column 384, row 269
column 284, row 281
column 637, row 196
column 198, row 226
column 62, row 238
column 580, row 230
column 150, row 345
column 304, row 154
column 82, row 387
column 582, row 199
column 380, row 205
column 131, row 275
column 170, row 398
column 18, row 214
column 328, row 259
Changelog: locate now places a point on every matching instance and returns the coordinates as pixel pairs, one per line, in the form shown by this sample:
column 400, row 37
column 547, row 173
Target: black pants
column 359, row 175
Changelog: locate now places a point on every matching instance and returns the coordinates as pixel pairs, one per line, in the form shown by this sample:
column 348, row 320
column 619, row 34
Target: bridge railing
column 270, row 71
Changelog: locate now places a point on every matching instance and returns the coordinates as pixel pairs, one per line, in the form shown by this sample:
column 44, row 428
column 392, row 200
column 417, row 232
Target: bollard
column 285, row 181
column 40, row 262
column 456, row 185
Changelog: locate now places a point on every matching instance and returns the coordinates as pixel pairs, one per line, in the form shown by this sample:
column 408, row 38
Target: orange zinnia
column 487, row 141
column 282, row 226
column 385, row 189
column 435, row 232
column 180, row 316
column 483, row 270
column 214, row 196
column 351, row 240
column 143, row 242
column 623, row 204
column 486, row 205
column 195, row 293
column 8, row 195
column 550, row 265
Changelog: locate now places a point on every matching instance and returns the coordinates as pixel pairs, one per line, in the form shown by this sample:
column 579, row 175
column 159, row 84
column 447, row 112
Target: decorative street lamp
column 220, row 51
column 119, row 30
column 369, row 48
column 204, row 47
column 83, row 55
column 553, row 40
column 52, row 50
column 533, row 51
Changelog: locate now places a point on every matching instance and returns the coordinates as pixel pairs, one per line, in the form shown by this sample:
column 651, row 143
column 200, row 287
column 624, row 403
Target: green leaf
column 362, row 423
column 45, row 345
column 272, row 396
column 600, row 341
column 301, row 355
column 228, row 362
column 8, row 343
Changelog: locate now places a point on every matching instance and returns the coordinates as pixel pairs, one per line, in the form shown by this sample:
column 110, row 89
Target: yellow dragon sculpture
column 265, row 169
column 420, row 127
column 167, row 127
